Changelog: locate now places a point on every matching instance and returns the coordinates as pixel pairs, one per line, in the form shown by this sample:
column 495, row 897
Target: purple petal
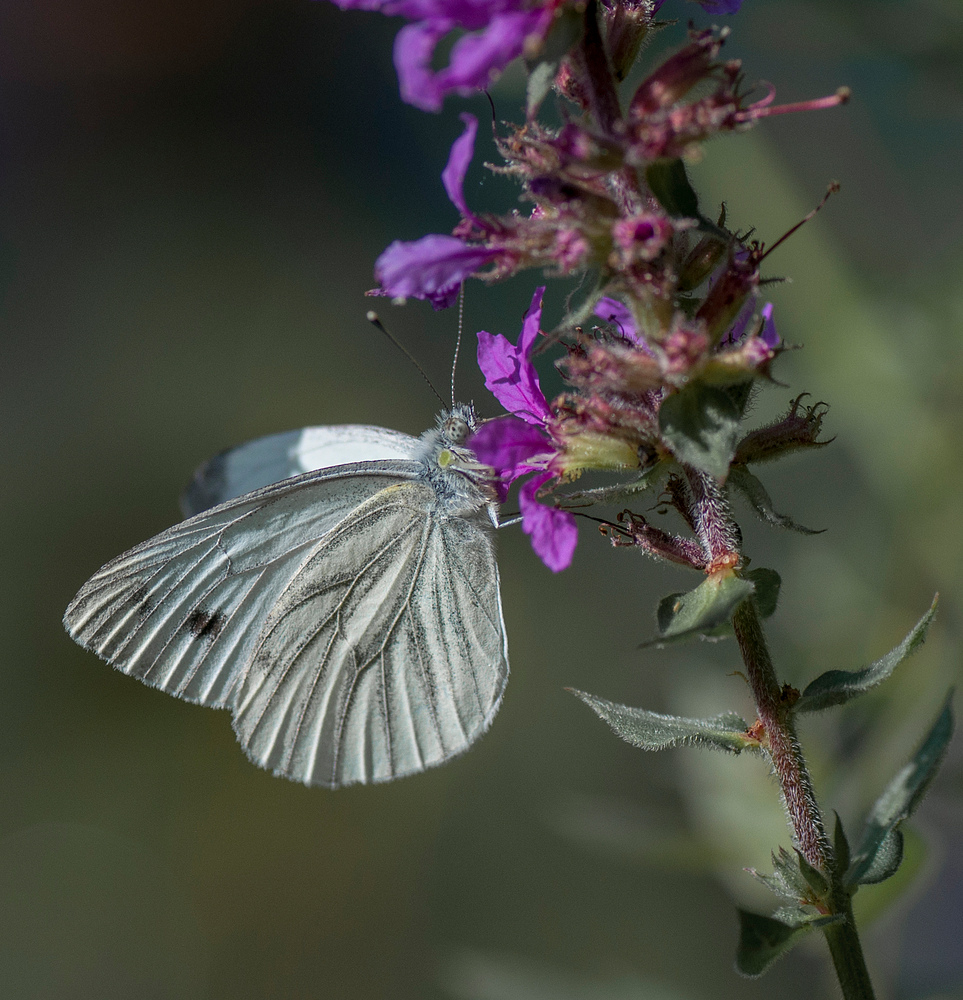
column 531, row 324
column 769, row 335
column 553, row 532
column 469, row 14
column 511, row 379
column 414, row 47
column 509, row 374
column 509, row 445
column 431, row 268
column 619, row 314
column 462, row 151
column 741, row 321
column 720, row 6
column 477, row 58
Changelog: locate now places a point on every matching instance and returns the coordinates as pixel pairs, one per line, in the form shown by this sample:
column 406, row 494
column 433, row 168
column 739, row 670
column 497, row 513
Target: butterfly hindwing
column 392, row 663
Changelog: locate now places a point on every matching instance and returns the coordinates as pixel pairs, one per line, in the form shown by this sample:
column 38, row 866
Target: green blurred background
column 192, row 196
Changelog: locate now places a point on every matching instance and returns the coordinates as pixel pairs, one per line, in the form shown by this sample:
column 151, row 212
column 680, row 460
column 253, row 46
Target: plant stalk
column 796, row 786
column 783, row 745
column 847, row 954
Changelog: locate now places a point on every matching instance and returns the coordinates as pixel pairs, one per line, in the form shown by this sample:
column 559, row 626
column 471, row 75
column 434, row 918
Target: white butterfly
column 349, row 617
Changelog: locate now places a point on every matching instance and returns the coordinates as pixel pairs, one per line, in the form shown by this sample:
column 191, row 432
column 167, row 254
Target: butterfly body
column 348, row 617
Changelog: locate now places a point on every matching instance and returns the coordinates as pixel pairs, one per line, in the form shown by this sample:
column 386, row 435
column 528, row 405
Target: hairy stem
column 784, row 749
column 796, row 785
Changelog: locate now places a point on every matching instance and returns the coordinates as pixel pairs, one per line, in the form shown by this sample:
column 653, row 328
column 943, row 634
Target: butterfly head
column 452, row 466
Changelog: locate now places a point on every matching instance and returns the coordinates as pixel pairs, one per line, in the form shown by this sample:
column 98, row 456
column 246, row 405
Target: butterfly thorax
column 461, row 482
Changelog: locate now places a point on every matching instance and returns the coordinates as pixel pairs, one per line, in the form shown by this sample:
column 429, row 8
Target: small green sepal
column 836, row 687
column 764, row 939
column 880, row 851
column 794, row 879
column 654, row 731
column 701, row 424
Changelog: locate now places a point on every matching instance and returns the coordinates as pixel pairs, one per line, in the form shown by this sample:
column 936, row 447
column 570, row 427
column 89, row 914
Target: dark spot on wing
column 142, row 600
column 205, row 624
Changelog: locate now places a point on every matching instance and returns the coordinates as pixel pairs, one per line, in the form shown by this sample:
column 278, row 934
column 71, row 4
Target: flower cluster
column 601, row 197
column 662, row 352
column 494, row 33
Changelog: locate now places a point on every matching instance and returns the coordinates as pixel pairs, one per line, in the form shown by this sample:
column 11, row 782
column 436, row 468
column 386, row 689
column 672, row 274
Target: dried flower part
column 798, row 429
column 633, row 529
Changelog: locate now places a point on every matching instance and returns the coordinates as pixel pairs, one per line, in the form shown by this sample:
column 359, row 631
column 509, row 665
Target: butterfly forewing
column 182, row 611
column 392, row 664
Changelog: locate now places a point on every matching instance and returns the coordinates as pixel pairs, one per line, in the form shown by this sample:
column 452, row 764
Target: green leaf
column 766, row 595
column 700, row 611
column 755, row 494
column 763, row 939
column 886, row 861
column 815, row 879
column 701, row 426
column 835, row 687
column 668, row 181
column 653, row 731
column 840, row 847
column 898, row 801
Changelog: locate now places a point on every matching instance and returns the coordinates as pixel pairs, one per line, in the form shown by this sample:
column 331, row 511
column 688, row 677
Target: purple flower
column 618, row 314
column 720, row 6
column 521, row 444
column 498, row 31
column 711, row 6
column 431, row 268
column 435, row 266
column 509, row 373
column 768, row 334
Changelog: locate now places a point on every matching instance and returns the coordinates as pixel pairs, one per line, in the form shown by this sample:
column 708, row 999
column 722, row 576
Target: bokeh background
column 192, row 196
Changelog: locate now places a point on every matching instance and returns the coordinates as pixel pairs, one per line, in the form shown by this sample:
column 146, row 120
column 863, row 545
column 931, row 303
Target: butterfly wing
column 353, row 627
column 387, row 654
column 270, row 459
column 182, row 611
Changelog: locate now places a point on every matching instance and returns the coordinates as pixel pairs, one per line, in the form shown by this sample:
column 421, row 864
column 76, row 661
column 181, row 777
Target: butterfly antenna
column 461, row 326
column 375, row 321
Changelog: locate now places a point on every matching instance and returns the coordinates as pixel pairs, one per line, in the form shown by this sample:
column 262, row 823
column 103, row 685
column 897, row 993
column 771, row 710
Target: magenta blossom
column 435, row 266
column 521, row 444
column 498, row 31
column 710, row 6
column 619, row 315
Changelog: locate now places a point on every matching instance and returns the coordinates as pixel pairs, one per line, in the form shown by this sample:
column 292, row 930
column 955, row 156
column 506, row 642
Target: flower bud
column 627, row 24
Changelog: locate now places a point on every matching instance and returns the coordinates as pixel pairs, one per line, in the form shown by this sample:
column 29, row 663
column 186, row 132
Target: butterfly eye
column 457, row 430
